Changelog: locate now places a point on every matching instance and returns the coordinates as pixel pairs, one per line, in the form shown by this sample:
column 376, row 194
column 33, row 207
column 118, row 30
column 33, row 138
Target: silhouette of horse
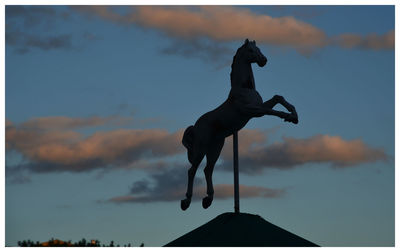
column 207, row 136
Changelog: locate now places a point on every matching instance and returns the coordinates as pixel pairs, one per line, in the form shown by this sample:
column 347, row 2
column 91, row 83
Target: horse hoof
column 207, row 202
column 296, row 118
column 292, row 118
column 185, row 204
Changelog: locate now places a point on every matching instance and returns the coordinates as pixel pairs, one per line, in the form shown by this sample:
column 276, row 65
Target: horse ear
column 246, row 42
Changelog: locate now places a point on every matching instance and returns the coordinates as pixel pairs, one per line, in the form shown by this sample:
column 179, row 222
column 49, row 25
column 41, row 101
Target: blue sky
column 97, row 99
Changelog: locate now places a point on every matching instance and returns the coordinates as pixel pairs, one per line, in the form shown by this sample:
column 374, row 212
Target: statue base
column 239, row 230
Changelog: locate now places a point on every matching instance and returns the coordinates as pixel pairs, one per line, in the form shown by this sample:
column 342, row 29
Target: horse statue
column 207, row 136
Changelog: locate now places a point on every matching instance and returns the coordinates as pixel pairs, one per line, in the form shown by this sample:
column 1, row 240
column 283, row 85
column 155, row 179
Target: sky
column 97, row 99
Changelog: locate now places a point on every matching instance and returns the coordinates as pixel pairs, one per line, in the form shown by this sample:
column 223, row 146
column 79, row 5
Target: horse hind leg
column 195, row 160
column 212, row 157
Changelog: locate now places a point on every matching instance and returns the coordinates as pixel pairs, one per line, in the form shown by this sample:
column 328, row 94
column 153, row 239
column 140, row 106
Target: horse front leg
column 185, row 203
column 292, row 117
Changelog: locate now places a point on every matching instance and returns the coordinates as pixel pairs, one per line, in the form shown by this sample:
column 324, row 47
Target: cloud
column 21, row 24
column 49, row 42
column 226, row 24
column 90, row 36
column 35, row 27
column 62, row 149
column 370, row 41
column 32, row 15
column 101, row 11
column 249, row 138
column 167, row 185
column 64, row 123
column 17, row 174
column 223, row 191
column 170, row 185
column 294, row 152
column 24, row 41
column 206, row 50
column 199, row 29
column 52, row 144
column 218, row 23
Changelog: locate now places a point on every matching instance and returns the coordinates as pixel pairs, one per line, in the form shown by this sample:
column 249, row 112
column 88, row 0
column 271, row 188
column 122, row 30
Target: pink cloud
column 316, row 149
column 220, row 23
column 69, row 150
column 370, row 41
column 226, row 23
column 62, row 149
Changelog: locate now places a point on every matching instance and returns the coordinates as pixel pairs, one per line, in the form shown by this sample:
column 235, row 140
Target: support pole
column 236, row 170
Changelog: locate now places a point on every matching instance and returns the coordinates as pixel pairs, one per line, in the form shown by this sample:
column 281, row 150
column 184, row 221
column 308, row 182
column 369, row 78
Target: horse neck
column 242, row 74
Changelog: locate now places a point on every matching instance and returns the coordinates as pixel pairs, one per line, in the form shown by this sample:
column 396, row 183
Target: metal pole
column 236, row 170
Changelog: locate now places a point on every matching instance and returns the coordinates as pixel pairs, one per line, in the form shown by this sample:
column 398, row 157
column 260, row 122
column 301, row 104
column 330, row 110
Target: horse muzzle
column 262, row 61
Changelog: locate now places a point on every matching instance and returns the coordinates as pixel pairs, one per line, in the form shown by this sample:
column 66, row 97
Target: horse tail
column 187, row 141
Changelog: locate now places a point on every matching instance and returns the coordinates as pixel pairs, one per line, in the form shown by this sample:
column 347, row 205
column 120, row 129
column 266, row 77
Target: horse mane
column 237, row 52
column 234, row 59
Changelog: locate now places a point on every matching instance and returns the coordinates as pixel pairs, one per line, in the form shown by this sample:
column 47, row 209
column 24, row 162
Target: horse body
column 222, row 121
column 207, row 136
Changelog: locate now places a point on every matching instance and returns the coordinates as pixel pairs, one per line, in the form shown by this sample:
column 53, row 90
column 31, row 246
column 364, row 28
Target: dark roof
column 239, row 230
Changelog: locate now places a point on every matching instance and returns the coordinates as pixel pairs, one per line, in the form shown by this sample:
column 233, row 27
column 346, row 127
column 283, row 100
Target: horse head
column 252, row 53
